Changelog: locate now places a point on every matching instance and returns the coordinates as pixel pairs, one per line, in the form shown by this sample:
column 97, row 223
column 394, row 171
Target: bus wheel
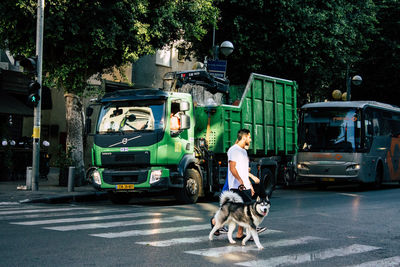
column 268, row 180
column 191, row 187
column 378, row 178
column 120, row 197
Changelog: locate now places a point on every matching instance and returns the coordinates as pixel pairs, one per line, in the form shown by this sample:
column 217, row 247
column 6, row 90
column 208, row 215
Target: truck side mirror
column 184, row 106
column 88, row 126
column 89, row 111
column 185, row 122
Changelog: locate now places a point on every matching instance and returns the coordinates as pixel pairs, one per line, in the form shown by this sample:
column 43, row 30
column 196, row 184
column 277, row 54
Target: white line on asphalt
column 58, row 214
column 310, row 256
column 121, row 223
column 388, row 262
column 10, row 203
column 175, row 241
column 350, row 195
column 154, row 231
column 85, row 219
column 39, row 210
column 217, row 252
column 185, row 240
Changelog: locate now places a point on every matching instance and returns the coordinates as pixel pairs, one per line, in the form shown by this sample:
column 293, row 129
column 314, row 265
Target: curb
column 83, row 197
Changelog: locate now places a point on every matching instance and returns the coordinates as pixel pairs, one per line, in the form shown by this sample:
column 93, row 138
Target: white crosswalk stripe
column 39, row 210
column 59, row 214
column 387, row 262
column 154, row 231
column 220, row 251
column 310, row 256
column 85, row 219
column 187, row 240
column 121, row 223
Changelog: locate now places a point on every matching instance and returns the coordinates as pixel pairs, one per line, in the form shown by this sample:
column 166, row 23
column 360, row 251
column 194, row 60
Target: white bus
column 354, row 141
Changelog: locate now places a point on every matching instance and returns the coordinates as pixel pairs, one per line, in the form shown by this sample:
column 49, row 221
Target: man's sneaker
column 261, row 229
column 223, row 230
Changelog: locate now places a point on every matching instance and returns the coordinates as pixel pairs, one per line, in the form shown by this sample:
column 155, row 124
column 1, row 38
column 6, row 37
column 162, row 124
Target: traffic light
column 33, row 97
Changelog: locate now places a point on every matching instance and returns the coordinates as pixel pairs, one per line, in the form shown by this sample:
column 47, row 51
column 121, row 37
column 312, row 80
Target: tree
column 308, row 41
column 380, row 65
column 84, row 38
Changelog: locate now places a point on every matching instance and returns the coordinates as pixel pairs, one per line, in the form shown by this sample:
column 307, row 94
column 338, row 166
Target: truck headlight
column 96, row 177
column 155, row 176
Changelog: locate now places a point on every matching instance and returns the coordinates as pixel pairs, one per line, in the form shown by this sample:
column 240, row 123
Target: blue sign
column 217, row 68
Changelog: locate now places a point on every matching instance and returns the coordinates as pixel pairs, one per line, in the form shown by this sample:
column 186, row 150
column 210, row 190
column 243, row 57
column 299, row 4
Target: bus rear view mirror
column 370, row 129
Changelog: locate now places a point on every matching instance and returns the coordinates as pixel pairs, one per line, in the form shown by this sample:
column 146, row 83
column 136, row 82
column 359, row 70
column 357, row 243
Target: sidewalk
column 49, row 192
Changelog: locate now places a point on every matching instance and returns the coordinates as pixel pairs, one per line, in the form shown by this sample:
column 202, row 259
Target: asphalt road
column 306, row 227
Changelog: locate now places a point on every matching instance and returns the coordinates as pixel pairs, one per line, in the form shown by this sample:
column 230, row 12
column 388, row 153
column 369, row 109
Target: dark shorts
column 245, row 194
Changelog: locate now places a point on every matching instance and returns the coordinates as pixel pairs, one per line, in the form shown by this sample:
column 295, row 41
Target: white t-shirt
column 238, row 155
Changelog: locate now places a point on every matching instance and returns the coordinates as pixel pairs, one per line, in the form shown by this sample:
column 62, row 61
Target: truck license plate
column 124, row 186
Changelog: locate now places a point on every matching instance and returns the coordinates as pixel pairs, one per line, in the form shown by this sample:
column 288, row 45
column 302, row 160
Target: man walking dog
column 238, row 172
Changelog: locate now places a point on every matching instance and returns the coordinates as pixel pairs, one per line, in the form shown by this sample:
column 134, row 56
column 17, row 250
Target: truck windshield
column 118, row 117
column 330, row 130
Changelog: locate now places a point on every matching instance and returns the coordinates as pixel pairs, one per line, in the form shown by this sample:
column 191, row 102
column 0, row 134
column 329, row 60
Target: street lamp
column 226, row 48
column 356, row 80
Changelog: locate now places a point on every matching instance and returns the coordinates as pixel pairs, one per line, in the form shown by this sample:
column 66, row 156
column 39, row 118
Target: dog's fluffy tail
column 229, row 196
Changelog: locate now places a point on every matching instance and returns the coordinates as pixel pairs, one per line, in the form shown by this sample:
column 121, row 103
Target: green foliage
column 308, row 41
column 83, row 38
column 381, row 63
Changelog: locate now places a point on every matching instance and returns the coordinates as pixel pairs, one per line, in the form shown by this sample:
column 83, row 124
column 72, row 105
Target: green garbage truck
column 175, row 139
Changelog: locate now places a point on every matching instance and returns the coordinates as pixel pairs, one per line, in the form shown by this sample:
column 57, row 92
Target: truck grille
column 125, row 158
column 116, row 177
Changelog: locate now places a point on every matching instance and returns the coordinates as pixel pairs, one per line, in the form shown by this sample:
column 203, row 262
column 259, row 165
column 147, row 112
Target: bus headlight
column 302, row 166
column 353, row 167
column 155, row 176
column 96, row 177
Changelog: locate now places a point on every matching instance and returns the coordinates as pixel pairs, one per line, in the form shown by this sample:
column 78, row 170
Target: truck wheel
column 120, row 197
column 269, row 181
column 191, row 187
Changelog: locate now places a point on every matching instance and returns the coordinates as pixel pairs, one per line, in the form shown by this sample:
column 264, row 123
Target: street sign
column 217, row 68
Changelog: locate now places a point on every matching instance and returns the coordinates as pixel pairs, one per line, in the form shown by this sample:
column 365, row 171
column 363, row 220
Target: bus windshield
column 125, row 117
column 330, row 130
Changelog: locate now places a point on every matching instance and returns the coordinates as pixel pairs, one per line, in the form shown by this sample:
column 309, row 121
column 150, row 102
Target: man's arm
column 232, row 168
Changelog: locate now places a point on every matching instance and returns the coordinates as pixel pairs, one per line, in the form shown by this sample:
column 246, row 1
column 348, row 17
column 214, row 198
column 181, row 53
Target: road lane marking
column 59, row 214
column 350, row 195
column 217, row 252
column 185, row 240
column 310, row 256
column 85, row 219
column 39, row 210
column 387, row 262
column 154, row 231
column 175, row 241
column 121, row 223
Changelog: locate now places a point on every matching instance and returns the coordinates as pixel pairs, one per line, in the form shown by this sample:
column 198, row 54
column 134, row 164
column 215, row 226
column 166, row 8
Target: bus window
column 369, row 129
column 324, row 130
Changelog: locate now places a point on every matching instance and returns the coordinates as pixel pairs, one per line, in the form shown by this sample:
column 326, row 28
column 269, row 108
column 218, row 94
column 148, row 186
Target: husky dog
column 233, row 211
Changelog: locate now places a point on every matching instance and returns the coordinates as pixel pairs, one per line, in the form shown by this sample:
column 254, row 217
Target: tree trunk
column 74, row 119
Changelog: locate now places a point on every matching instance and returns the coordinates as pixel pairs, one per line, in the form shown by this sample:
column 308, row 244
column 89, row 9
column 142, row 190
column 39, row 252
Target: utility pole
column 37, row 109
